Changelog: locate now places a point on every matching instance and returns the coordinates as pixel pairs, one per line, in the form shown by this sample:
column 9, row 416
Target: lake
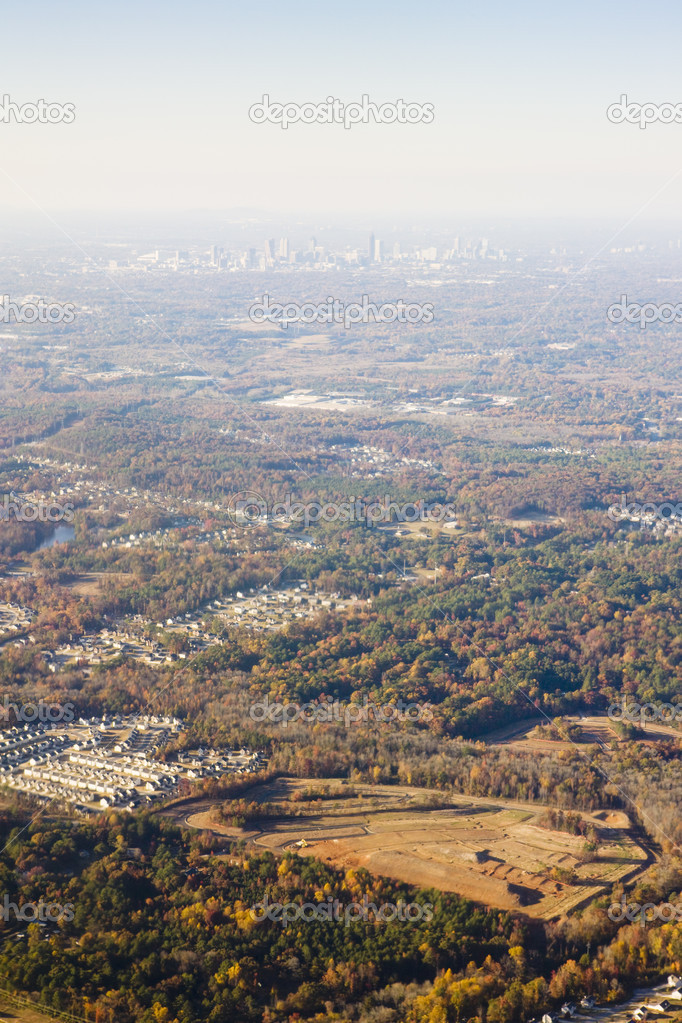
column 61, row 535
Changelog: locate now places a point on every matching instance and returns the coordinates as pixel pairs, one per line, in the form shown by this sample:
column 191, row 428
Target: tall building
column 378, row 250
column 269, row 250
column 372, row 242
column 284, row 248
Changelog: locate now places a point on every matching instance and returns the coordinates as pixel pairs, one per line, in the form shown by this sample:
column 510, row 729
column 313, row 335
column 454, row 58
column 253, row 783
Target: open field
column 491, row 851
column 532, row 519
column 89, row 584
column 19, row 1010
column 595, row 730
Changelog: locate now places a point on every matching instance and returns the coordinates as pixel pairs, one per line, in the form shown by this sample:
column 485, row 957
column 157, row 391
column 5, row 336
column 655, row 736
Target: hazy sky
column 520, row 91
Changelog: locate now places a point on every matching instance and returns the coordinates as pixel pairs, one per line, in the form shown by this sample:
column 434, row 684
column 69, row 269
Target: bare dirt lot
column 491, row 851
column 595, row 730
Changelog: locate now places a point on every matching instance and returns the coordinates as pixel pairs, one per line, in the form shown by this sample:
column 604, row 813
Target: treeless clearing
column 22, row 1014
column 89, row 584
column 596, row 729
column 490, row 851
column 532, row 519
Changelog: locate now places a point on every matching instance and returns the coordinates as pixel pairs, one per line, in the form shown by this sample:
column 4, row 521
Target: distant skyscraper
column 372, row 242
column 215, row 255
column 284, row 248
column 270, row 249
column 378, row 250
column 396, row 250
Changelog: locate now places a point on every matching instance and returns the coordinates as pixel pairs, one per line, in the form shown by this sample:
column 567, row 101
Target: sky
column 162, row 92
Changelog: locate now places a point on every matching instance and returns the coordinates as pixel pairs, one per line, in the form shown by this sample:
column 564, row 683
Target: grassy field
column 11, row 1011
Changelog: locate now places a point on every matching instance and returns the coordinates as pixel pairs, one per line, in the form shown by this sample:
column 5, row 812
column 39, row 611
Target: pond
column 61, row 534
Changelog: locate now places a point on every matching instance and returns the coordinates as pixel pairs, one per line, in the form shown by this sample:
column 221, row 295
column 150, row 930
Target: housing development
column 99, row 763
